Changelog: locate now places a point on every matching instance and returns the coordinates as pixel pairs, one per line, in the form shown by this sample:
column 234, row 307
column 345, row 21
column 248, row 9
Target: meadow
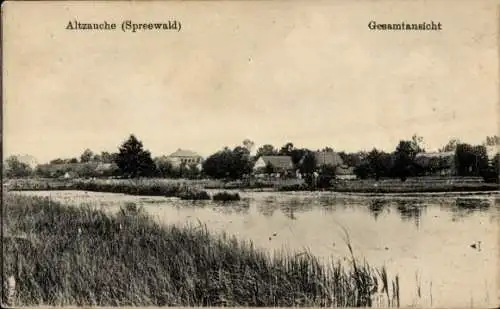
column 62, row 255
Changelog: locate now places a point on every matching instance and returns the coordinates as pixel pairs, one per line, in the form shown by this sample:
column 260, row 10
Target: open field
column 83, row 256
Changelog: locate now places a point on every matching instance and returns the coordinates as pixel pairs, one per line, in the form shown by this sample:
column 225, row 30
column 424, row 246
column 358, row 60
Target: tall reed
column 83, row 256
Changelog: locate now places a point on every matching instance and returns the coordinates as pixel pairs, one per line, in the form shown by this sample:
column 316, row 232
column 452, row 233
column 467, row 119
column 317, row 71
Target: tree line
column 133, row 160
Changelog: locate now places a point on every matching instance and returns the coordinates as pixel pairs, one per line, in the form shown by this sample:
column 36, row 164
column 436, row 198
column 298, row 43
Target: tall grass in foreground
column 83, row 256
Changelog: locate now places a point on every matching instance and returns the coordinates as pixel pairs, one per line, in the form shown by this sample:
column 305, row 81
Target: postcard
column 250, row 153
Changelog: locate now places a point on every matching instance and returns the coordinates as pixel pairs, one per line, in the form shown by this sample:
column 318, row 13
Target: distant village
column 453, row 159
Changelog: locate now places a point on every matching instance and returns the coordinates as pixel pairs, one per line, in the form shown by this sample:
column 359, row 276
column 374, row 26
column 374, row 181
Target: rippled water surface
column 427, row 241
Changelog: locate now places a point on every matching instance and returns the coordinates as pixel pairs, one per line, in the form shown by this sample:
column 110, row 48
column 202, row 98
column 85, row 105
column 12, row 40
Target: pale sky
column 273, row 71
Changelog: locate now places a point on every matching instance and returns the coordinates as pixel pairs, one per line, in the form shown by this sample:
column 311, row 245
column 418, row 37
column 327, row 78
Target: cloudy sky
column 272, row 71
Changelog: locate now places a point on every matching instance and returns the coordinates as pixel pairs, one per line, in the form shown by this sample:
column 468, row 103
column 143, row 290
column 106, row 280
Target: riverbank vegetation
column 145, row 187
column 196, row 189
column 64, row 256
column 226, row 196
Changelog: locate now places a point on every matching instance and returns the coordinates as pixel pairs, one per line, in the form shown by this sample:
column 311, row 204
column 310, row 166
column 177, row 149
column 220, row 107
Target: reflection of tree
column 240, row 207
column 464, row 207
column 471, row 203
column 377, row 206
column 410, row 210
column 268, row 207
column 289, row 212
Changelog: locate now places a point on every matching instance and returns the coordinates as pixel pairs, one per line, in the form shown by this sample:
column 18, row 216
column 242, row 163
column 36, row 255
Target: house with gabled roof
column 328, row 158
column 437, row 163
column 183, row 156
column 279, row 164
column 345, row 172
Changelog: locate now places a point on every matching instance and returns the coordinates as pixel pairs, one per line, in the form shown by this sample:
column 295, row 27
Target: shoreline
column 160, row 187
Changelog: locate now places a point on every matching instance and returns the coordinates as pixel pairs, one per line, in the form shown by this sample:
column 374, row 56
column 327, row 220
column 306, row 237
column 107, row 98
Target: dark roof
column 184, row 153
column 444, row 154
column 437, row 159
column 71, row 166
column 328, row 158
column 280, row 162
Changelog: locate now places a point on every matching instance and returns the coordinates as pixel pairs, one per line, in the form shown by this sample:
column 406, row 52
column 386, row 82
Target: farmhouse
column 437, row 163
column 182, row 156
column 345, row 172
column 103, row 169
column 275, row 164
column 328, row 158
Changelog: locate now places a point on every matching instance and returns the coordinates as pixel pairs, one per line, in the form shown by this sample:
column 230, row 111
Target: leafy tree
column 15, row 168
column 495, row 163
column 242, row 163
column 218, row 164
column 326, row 175
column 491, row 173
column 248, row 144
column 286, row 150
column 404, row 158
column 380, row 163
column 470, row 160
column 165, row 168
column 266, row 150
column 228, row 164
column 43, row 170
column 86, row 170
column 105, row 157
column 269, row 169
column 417, row 143
column 86, row 156
column 297, row 155
column 191, row 171
column 450, row 146
column 327, row 149
column 308, row 164
column 492, row 140
column 73, row 160
column 133, row 161
column 363, row 170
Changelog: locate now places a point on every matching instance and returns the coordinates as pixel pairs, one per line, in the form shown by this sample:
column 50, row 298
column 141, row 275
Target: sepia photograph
column 250, row 154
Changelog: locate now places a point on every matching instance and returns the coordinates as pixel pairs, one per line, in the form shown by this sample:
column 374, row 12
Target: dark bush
column 226, row 196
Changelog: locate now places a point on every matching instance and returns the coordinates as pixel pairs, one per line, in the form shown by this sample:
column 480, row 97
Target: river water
column 426, row 240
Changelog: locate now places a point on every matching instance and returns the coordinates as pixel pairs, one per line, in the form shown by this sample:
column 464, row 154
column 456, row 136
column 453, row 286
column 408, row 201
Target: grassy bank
column 254, row 184
column 82, row 256
column 147, row 187
column 194, row 189
column 415, row 185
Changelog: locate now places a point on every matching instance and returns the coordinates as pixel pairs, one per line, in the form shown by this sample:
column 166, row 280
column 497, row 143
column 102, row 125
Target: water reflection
column 239, row 207
column 377, row 206
column 268, row 207
column 411, row 210
column 464, row 207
